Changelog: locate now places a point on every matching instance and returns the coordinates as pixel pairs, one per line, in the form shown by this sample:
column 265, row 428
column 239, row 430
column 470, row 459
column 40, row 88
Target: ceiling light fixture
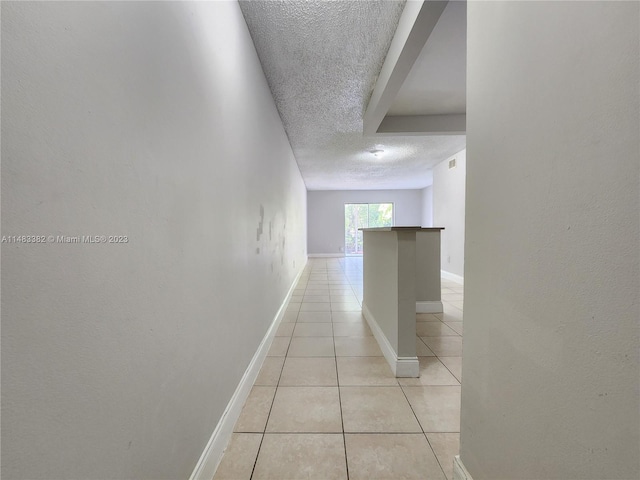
column 377, row 152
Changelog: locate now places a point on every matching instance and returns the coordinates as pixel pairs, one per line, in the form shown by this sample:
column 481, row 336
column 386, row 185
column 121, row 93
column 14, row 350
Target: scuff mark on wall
column 260, row 224
column 284, row 242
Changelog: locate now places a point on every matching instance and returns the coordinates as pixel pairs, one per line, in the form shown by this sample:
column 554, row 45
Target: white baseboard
column 407, row 367
column 208, row 463
column 325, row 255
column 459, row 471
column 400, row 366
column 433, row 306
column 452, row 276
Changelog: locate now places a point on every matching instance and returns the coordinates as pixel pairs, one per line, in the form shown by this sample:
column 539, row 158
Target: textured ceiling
column 321, row 60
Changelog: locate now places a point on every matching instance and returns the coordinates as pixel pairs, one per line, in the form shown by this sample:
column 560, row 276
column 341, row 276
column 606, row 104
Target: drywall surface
column 552, row 276
column 150, row 120
column 428, row 275
column 325, row 214
column 449, row 210
column 389, row 293
column 427, row 206
column 380, row 283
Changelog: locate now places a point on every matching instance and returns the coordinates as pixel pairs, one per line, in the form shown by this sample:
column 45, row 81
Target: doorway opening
column 363, row 215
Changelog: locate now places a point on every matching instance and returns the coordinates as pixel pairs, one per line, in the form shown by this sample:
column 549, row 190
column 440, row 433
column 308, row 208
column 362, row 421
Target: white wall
column 151, row 120
column 427, row 206
column 552, row 274
column 449, row 210
column 325, row 214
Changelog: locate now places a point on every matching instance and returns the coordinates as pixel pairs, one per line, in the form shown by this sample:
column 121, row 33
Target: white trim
column 407, row 367
column 208, row 463
column 452, row 276
column 459, row 470
column 325, row 255
column 432, row 306
column 400, row 366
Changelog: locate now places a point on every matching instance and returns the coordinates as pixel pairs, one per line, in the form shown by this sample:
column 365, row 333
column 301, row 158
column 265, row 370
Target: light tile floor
column 326, row 405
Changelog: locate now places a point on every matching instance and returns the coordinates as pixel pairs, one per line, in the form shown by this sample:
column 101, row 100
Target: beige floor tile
column 451, row 315
column 452, row 297
column 290, row 317
column 314, row 317
column 347, row 317
column 317, row 291
column 346, row 307
column 433, row 329
column 454, row 364
column 385, row 457
column 457, row 304
column 313, row 330
column 422, row 350
column 340, row 290
column 315, row 307
column 437, row 408
column 270, row 371
column 285, row 330
column 311, row 347
column 427, row 317
column 351, row 330
column 376, row 409
column 338, row 298
column 454, row 315
column 279, row 347
column 451, row 309
column 444, row 346
column 306, row 371
column 316, row 298
column 446, row 446
column 306, row 410
column 455, row 326
column 450, row 287
column 370, row 371
column 357, row 347
column 255, row 412
column 239, row 457
column 301, row 457
column 432, row 372
column 292, row 308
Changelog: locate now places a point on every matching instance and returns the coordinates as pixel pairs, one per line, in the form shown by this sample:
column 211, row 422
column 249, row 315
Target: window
column 363, row 215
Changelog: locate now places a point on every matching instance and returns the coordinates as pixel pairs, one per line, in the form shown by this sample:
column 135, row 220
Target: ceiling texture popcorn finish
column 321, row 60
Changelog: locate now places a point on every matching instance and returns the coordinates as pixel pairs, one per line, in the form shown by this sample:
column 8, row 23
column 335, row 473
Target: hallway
column 325, row 404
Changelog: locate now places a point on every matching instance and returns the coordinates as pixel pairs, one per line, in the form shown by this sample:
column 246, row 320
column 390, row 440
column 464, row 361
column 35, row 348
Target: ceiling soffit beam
column 423, row 125
column 417, row 21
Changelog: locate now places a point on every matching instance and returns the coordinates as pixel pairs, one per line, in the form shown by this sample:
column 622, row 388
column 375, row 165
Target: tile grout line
column 422, row 428
column 344, row 436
